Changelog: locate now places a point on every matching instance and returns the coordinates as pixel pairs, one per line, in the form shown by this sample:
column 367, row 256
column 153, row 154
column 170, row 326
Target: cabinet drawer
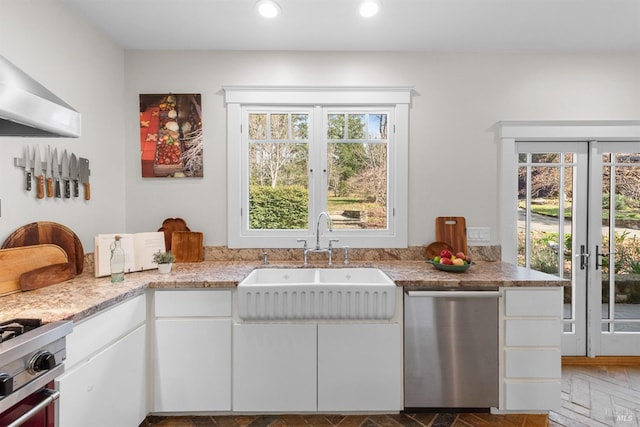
column 532, row 363
column 532, row 332
column 97, row 332
column 193, row 303
column 532, row 396
column 540, row 302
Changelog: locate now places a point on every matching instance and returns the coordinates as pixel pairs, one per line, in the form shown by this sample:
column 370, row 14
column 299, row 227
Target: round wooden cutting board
column 42, row 232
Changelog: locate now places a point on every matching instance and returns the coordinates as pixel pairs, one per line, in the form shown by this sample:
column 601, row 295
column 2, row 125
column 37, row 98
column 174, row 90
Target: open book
column 138, row 251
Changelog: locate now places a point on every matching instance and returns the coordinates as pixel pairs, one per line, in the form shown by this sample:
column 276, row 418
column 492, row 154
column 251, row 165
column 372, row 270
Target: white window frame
column 317, row 99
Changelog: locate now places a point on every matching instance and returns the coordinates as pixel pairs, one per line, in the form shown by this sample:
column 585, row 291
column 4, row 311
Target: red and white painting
column 171, row 140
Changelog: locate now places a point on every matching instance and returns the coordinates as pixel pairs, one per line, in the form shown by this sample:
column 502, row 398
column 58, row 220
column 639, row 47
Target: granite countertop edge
column 86, row 295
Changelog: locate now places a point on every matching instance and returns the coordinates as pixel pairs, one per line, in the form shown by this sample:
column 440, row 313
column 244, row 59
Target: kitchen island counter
column 86, row 295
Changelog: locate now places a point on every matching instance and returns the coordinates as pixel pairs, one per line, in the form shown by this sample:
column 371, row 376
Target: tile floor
column 599, row 396
column 396, row 420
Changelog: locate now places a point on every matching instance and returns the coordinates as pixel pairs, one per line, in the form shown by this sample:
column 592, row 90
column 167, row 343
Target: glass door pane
column 620, row 251
column 545, row 208
column 552, row 231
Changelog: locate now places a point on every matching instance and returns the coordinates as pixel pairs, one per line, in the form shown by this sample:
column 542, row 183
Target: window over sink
column 296, row 152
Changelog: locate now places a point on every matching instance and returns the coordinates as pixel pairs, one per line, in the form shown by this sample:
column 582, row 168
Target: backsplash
column 412, row 253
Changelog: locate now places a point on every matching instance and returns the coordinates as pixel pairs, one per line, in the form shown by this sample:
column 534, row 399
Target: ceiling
column 402, row 25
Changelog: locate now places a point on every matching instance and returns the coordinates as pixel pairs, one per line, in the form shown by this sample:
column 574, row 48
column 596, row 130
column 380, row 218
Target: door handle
column 584, row 257
column 598, row 256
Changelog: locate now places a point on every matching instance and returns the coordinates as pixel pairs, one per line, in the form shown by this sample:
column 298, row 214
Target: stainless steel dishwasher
column 451, row 349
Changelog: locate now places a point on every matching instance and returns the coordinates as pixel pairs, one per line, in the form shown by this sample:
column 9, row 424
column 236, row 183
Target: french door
column 579, row 218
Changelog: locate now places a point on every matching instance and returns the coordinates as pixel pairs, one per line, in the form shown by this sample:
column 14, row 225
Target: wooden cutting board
column 452, row 230
column 187, row 246
column 47, row 275
column 170, row 225
column 44, row 232
column 16, row 261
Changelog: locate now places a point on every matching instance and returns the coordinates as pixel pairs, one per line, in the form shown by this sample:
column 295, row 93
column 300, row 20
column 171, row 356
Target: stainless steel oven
column 32, row 355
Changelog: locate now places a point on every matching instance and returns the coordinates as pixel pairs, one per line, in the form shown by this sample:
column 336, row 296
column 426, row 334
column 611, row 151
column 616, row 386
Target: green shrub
column 280, row 208
column 543, row 257
column 620, row 201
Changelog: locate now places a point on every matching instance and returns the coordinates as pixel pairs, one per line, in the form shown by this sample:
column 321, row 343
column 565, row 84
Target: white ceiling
column 401, row 25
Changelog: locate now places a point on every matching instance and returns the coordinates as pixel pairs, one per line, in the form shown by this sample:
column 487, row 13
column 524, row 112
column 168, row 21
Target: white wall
column 58, row 48
column 453, row 156
column 458, row 98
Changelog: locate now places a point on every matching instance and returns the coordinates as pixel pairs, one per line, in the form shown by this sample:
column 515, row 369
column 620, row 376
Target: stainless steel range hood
column 29, row 109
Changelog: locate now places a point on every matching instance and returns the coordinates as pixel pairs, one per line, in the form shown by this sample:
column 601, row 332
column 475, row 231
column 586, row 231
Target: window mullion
column 318, row 176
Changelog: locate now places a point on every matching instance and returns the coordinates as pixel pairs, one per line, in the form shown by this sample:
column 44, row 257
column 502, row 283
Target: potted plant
column 164, row 260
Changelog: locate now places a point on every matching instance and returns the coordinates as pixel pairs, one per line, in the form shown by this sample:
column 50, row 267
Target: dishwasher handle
column 455, row 294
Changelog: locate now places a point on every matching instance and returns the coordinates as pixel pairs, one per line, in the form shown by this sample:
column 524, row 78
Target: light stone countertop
column 86, row 295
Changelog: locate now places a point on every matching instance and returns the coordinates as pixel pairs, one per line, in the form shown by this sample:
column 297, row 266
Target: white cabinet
column 104, row 383
column 360, row 367
column 274, row 367
column 192, row 351
column 531, row 334
column 308, row 367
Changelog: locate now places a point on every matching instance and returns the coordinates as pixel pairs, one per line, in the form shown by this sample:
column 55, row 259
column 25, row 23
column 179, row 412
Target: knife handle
column 28, row 182
column 67, row 188
column 76, row 190
column 40, row 187
column 87, row 191
column 49, row 187
column 57, row 188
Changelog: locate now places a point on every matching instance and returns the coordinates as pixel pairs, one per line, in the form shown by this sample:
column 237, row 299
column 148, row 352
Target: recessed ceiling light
column 268, row 8
column 369, row 8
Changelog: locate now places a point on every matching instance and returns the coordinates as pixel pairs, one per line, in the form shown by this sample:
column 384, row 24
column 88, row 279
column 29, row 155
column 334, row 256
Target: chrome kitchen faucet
column 318, row 248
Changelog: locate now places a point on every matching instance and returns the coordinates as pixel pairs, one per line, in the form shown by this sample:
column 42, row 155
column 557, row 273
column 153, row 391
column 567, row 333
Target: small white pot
column 164, row 268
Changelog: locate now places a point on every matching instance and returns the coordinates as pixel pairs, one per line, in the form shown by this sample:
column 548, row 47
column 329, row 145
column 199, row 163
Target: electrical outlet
column 478, row 234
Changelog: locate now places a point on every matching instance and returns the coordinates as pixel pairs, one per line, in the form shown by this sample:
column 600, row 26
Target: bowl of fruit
column 448, row 261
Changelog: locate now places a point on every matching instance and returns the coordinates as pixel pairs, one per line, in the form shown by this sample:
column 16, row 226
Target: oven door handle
column 52, row 396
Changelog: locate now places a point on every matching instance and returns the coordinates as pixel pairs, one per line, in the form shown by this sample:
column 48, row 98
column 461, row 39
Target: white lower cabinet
column 200, row 361
column 105, row 379
column 310, row 367
column 192, row 351
column 274, row 367
column 360, row 367
column 532, row 331
column 192, row 366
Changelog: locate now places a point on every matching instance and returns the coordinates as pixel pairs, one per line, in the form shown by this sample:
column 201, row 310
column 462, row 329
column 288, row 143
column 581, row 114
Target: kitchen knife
column 27, row 168
column 37, row 172
column 84, row 177
column 65, row 174
column 49, row 172
column 73, row 174
column 56, row 172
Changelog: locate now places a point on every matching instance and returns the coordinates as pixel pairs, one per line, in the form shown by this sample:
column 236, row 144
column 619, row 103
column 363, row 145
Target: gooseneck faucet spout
column 329, row 227
column 318, row 248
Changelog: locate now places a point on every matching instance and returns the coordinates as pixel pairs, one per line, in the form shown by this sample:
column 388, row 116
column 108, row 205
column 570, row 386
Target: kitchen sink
column 320, row 293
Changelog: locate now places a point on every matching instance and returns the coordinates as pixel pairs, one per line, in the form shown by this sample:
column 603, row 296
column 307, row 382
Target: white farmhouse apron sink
column 313, row 294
